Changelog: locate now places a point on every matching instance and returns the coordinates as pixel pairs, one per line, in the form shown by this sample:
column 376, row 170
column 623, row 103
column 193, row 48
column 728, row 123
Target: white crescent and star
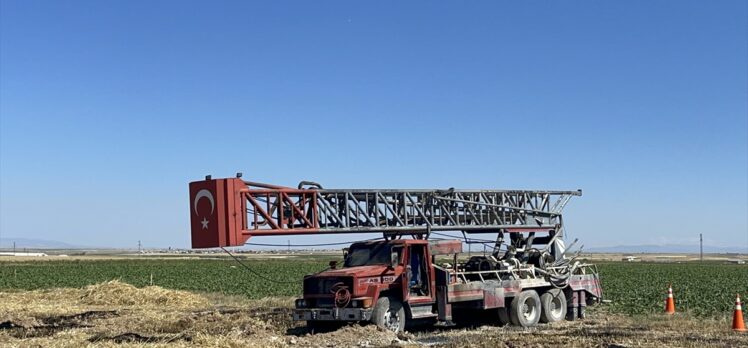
column 207, row 194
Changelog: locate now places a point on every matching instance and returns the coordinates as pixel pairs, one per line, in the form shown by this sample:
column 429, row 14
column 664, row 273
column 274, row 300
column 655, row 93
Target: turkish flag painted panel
column 216, row 216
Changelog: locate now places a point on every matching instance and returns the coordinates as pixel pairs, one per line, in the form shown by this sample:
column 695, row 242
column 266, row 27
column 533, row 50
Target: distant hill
column 31, row 243
column 668, row 249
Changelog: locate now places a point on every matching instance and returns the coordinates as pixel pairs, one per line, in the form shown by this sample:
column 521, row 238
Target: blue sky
column 109, row 109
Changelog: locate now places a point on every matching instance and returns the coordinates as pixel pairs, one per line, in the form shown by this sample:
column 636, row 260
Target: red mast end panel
column 217, row 213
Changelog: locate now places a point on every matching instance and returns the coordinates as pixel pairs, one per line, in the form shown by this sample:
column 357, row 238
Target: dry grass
column 600, row 330
column 116, row 293
column 115, row 314
column 120, row 315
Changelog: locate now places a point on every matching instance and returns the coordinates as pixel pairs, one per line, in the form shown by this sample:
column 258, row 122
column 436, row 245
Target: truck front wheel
column 389, row 314
column 525, row 309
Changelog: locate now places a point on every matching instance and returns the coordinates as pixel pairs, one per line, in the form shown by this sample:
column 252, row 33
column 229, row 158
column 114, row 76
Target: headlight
column 301, row 303
column 354, row 303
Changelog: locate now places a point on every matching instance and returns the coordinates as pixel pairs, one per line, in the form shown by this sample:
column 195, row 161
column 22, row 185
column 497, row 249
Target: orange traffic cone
column 737, row 319
column 670, row 302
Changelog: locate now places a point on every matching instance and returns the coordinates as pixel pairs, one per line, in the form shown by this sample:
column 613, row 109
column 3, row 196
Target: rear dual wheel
column 525, row 309
column 554, row 306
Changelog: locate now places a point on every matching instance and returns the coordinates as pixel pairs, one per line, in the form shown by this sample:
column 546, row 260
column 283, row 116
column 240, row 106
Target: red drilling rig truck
column 410, row 274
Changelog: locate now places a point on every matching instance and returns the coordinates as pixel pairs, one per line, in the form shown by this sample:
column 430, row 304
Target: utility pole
column 139, row 247
column 701, row 247
column 289, row 246
column 14, row 247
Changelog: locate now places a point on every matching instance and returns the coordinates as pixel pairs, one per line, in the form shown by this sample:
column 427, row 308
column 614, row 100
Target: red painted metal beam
column 227, row 212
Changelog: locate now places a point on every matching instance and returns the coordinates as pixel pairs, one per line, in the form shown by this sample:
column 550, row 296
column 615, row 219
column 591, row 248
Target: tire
column 504, row 316
column 553, row 304
column 525, row 309
column 389, row 314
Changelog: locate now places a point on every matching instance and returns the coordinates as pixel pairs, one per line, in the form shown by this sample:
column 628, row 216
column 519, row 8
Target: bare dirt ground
column 118, row 315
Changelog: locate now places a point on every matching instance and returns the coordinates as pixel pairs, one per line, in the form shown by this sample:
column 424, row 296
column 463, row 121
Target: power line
column 260, row 275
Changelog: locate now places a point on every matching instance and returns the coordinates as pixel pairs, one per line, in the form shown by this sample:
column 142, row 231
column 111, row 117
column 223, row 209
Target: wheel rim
column 556, row 307
column 529, row 309
column 392, row 320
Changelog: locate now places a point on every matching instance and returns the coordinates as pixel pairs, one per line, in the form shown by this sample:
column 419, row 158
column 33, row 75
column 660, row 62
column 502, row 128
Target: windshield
column 368, row 254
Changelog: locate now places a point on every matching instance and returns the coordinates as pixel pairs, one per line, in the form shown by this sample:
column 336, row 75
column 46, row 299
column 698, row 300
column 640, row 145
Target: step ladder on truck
column 411, row 274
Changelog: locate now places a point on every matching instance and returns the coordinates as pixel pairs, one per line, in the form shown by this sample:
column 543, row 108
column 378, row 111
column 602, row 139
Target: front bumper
column 337, row 314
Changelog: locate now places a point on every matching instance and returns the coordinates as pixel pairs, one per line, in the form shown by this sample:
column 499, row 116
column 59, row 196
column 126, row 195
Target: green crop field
column 634, row 288
column 225, row 276
column 701, row 288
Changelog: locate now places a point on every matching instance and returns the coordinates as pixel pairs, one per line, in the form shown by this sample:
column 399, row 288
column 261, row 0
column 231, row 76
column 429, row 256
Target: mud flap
column 444, row 308
column 572, row 303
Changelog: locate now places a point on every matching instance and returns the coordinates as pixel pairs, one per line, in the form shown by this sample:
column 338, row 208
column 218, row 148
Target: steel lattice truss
column 273, row 210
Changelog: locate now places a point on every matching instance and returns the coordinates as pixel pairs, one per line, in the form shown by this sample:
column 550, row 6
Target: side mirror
column 333, row 264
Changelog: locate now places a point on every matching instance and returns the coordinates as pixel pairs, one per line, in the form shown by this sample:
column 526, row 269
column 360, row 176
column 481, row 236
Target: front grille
column 324, row 285
column 325, row 302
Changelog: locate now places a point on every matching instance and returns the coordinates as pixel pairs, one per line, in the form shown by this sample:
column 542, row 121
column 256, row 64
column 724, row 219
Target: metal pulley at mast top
column 229, row 211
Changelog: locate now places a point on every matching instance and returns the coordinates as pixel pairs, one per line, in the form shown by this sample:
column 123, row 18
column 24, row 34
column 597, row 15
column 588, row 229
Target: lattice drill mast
column 227, row 212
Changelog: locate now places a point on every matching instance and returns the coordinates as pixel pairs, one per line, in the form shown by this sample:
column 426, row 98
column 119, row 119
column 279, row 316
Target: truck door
column 419, row 279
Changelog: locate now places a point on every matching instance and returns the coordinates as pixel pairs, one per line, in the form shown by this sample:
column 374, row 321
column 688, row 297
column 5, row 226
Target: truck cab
column 384, row 282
